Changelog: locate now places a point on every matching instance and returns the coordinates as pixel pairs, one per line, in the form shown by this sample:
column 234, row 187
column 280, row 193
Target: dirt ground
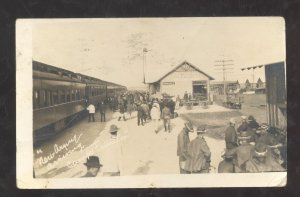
column 217, row 121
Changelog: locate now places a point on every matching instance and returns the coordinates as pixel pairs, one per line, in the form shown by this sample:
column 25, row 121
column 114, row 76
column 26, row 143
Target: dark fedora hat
column 93, row 161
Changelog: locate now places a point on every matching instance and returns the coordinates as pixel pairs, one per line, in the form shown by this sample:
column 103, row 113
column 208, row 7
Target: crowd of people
column 253, row 148
column 250, row 147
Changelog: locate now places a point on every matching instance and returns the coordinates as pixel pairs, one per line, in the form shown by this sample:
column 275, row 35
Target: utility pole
column 224, row 67
column 144, row 62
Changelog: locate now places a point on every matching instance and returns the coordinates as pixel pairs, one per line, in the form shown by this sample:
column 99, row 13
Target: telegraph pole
column 144, row 62
column 224, row 64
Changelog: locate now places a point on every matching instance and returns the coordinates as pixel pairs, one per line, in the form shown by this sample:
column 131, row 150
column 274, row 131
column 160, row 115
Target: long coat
column 241, row 154
column 230, row 138
column 199, row 155
column 183, row 141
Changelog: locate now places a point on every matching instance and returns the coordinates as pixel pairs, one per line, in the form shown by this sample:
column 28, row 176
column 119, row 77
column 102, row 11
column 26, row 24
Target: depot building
column 183, row 78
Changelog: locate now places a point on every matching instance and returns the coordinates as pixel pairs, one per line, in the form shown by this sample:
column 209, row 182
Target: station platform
column 144, row 151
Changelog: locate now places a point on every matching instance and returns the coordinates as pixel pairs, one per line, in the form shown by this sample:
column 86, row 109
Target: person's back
column 199, row 156
column 91, row 108
column 226, row 166
column 230, row 137
column 155, row 112
column 140, row 111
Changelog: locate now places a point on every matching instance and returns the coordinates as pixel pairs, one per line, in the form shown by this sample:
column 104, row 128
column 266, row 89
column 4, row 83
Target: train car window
column 55, row 97
column 35, row 99
column 72, row 95
column 42, row 98
column 48, row 98
column 62, row 96
column 68, row 95
column 77, row 95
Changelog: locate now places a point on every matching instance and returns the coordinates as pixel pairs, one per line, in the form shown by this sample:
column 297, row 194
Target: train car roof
column 45, row 70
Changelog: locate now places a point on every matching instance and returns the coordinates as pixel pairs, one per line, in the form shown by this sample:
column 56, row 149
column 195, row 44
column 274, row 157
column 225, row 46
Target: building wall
column 178, row 82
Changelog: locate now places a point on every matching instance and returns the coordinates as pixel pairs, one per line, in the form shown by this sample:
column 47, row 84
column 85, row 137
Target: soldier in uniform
column 93, row 166
column 242, row 153
column 230, row 135
column 199, row 154
column 182, row 145
column 261, row 162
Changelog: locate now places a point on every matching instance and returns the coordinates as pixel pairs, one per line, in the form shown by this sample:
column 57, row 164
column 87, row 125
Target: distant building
column 217, row 87
column 260, row 87
column 183, row 78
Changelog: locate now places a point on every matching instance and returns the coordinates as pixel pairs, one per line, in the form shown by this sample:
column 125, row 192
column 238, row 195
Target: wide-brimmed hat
column 260, row 150
column 244, row 117
column 93, row 161
column 232, row 120
column 226, row 155
column 201, row 129
column 189, row 125
column 244, row 135
column 113, row 128
column 263, row 126
column 251, row 118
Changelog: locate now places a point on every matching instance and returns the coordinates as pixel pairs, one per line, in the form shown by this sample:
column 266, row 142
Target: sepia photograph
column 151, row 102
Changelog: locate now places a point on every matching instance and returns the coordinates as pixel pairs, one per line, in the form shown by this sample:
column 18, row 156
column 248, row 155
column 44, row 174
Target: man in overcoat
column 199, row 152
column 183, row 141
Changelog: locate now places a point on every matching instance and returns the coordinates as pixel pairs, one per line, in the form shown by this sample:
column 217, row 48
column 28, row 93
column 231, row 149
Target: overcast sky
column 111, row 49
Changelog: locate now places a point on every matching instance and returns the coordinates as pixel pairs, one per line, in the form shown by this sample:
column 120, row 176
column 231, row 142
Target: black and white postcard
column 151, row 102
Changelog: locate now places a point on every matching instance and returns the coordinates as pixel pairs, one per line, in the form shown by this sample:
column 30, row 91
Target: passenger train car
column 60, row 97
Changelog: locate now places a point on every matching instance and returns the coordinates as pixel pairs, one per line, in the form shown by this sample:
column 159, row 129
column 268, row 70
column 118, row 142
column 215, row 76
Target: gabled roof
column 183, row 63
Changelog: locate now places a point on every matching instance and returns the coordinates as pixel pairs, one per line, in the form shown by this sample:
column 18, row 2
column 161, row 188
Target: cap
column 93, row 161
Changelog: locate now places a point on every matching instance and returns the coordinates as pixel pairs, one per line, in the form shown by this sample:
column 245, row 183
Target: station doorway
column 200, row 90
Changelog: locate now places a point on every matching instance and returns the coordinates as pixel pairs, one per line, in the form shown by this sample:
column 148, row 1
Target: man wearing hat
column 140, row 114
column 112, row 154
column 244, row 124
column 93, row 166
column 230, row 135
column 252, row 124
column 198, row 150
column 261, row 161
column 183, row 141
column 242, row 153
